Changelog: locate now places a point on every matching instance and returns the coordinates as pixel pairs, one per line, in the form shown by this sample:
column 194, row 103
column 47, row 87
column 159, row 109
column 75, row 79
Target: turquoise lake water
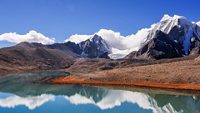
column 20, row 94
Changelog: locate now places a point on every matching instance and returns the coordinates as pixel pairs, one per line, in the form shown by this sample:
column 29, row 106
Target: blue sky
column 62, row 18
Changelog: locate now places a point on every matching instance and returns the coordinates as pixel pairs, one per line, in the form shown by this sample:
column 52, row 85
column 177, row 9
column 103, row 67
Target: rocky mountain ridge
column 171, row 37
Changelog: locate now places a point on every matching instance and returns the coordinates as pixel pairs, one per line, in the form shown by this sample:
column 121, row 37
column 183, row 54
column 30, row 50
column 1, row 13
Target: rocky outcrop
column 159, row 47
column 95, row 47
column 171, row 37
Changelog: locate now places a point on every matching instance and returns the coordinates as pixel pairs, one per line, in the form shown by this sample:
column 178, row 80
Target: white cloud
column 78, row 38
column 121, row 45
column 31, row 102
column 115, row 39
column 79, row 99
column 116, row 98
column 31, row 36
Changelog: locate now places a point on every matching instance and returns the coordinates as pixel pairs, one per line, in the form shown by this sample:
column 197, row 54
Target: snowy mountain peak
column 168, row 17
column 198, row 23
column 96, row 38
column 179, row 29
column 176, row 19
column 169, row 22
column 94, row 47
column 100, row 42
column 177, row 32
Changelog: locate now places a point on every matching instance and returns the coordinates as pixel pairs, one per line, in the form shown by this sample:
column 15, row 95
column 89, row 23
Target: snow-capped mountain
column 161, row 46
column 178, row 28
column 183, row 36
column 95, row 47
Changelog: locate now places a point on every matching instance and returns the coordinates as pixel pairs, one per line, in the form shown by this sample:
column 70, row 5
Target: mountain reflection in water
column 17, row 96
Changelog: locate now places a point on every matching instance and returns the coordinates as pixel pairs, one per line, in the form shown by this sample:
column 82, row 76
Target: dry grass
column 181, row 74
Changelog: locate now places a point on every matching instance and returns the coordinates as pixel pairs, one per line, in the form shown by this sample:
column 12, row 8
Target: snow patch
column 198, row 23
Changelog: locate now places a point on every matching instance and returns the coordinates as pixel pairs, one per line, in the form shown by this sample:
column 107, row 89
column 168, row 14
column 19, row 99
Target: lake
column 21, row 94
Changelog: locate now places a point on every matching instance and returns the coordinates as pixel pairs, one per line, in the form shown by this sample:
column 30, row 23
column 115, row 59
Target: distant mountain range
column 58, row 55
column 170, row 38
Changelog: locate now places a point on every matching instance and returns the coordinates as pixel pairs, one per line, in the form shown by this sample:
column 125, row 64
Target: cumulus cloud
column 78, row 38
column 31, row 102
column 121, row 45
column 116, row 98
column 115, row 39
column 31, row 36
column 79, row 99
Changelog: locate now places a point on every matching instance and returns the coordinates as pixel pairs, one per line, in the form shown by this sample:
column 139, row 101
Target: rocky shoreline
column 180, row 86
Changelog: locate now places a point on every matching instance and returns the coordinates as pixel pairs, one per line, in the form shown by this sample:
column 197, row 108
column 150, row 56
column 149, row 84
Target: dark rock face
column 68, row 46
column 180, row 37
column 95, row 47
column 195, row 47
column 180, row 41
column 159, row 47
column 74, row 47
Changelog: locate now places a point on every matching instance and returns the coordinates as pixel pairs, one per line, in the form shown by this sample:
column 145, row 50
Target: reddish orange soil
column 74, row 80
column 173, row 75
